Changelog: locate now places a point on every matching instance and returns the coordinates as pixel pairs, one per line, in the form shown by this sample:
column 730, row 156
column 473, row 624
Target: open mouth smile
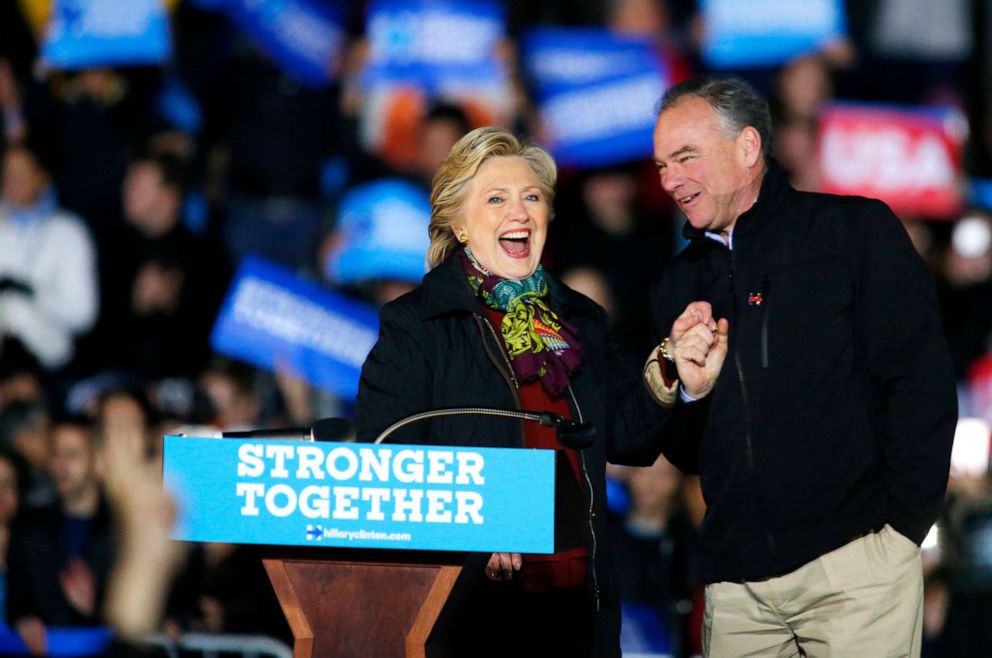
column 516, row 244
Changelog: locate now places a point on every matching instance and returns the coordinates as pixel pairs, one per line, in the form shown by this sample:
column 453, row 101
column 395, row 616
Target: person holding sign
column 805, row 332
column 488, row 327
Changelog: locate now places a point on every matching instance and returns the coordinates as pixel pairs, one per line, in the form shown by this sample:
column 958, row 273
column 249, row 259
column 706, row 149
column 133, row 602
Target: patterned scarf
column 539, row 343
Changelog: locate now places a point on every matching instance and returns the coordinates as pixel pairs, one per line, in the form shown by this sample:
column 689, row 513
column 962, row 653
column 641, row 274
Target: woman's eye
column 533, row 197
column 495, row 199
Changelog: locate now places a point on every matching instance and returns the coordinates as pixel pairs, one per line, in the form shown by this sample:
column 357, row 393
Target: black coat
column 436, row 349
column 835, row 409
column 38, row 553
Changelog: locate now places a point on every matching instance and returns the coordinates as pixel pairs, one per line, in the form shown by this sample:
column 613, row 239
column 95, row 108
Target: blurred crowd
column 122, row 222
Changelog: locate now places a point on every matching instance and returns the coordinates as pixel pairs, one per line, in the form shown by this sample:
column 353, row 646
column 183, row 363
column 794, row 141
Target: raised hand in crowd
column 144, row 513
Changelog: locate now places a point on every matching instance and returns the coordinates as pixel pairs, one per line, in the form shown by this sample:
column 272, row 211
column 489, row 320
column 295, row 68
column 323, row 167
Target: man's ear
column 749, row 146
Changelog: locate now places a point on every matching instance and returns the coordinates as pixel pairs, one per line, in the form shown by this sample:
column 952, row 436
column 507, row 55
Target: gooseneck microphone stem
column 544, row 418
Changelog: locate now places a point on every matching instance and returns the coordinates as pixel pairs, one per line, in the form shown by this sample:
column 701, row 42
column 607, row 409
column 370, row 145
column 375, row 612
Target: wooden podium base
column 362, row 603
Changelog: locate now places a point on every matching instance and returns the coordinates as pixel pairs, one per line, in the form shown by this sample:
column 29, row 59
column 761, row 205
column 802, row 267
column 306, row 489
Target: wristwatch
column 663, row 351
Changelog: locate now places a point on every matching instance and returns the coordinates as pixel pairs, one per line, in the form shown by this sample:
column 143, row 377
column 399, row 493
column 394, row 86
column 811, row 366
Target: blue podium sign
column 355, row 495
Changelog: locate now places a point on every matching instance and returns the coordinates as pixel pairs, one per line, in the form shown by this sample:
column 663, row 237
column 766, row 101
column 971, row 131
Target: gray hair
column 735, row 101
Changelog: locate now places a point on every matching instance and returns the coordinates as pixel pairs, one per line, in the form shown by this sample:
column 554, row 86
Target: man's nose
column 671, row 178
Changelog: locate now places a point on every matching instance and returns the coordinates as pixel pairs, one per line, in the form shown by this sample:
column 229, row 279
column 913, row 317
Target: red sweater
column 565, row 569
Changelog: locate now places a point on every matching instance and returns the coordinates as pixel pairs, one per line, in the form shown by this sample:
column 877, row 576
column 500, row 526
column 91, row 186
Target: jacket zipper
column 765, row 312
column 592, row 513
column 511, row 380
column 506, row 372
column 748, row 439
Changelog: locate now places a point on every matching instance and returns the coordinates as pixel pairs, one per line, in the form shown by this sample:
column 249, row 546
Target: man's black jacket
column 835, row 408
column 436, row 349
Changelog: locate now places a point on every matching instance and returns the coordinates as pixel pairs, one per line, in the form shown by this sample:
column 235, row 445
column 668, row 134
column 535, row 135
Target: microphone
column 325, row 429
column 570, row 433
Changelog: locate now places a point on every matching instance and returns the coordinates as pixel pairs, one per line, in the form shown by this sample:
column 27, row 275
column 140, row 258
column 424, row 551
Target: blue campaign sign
column 383, row 233
column 275, row 319
column 750, row 33
column 85, row 33
column 361, row 495
column 304, row 37
column 980, row 193
column 597, row 93
column 438, row 45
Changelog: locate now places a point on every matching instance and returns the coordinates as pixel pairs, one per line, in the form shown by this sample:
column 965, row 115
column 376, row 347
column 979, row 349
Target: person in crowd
column 21, row 376
column 162, row 284
column 61, row 555
column 230, row 397
column 803, row 87
column 89, row 119
column 612, row 234
column 466, row 337
column 964, row 287
column 653, row 548
column 24, row 430
column 12, row 474
column 48, row 273
column 274, row 135
column 804, row 342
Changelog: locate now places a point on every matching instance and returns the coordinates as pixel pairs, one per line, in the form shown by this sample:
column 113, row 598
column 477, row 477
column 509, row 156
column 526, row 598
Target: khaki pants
column 862, row 600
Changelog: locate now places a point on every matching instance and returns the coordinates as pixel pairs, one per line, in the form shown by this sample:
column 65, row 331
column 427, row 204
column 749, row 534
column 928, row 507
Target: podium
column 361, row 603
column 366, row 546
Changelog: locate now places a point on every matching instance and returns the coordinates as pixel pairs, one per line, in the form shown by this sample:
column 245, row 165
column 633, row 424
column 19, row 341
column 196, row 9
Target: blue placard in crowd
column 439, row 45
column 304, row 37
column 275, row 319
column 749, row 33
column 85, row 33
column 249, row 491
column 597, row 93
column 980, row 193
column 382, row 228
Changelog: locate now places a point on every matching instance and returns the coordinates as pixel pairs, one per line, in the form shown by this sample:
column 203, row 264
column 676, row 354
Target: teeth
column 688, row 198
column 515, row 235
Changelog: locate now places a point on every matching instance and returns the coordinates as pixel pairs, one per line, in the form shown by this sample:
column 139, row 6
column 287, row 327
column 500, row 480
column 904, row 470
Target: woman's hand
column 502, row 565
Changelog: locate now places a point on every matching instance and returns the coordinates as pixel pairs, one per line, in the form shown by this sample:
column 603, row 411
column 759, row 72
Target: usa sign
column 909, row 157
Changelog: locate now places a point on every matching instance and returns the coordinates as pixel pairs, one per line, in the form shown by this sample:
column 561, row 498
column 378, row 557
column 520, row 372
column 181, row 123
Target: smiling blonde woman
column 489, row 327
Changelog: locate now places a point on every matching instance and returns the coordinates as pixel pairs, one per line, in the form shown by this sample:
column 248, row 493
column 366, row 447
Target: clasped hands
column 698, row 345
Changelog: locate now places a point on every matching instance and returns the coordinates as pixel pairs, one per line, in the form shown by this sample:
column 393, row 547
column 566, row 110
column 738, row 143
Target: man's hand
column 698, row 344
column 694, row 314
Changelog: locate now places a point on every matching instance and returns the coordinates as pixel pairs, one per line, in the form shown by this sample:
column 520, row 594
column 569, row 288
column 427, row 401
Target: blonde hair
column 459, row 168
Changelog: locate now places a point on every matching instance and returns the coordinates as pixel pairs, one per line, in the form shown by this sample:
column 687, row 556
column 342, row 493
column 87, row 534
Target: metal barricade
column 211, row 645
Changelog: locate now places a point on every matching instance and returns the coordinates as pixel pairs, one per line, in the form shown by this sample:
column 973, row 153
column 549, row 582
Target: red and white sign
column 908, row 157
